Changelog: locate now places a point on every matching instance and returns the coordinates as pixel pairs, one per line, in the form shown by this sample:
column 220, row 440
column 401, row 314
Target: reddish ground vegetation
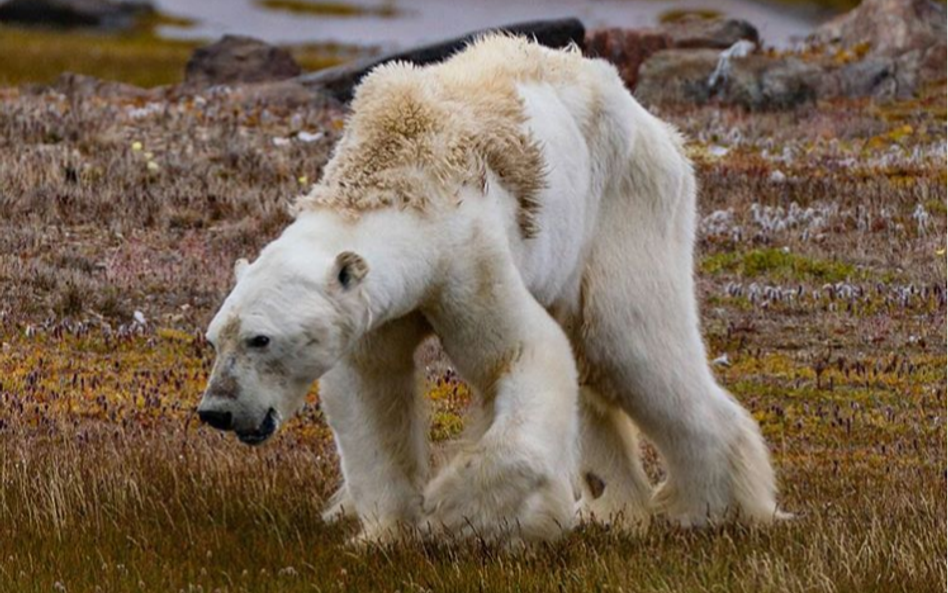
column 822, row 277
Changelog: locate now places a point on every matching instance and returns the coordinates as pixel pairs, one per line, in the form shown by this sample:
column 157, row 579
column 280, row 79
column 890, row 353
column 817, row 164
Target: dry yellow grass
column 831, row 313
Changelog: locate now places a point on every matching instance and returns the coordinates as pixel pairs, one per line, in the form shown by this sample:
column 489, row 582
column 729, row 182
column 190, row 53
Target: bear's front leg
column 514, row 480
column 374, row 406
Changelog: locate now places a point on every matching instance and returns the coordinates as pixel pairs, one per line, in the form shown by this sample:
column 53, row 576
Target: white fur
column 607, row 281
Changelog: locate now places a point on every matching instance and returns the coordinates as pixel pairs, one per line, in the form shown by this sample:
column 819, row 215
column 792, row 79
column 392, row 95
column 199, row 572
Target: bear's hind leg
column 641, row 338
column 649, row 358
column 614, row 485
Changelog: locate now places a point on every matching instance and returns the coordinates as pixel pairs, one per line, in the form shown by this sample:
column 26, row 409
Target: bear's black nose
column 219, row 420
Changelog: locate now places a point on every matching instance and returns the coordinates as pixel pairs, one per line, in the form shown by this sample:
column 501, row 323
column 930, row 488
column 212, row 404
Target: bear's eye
column 258, row 341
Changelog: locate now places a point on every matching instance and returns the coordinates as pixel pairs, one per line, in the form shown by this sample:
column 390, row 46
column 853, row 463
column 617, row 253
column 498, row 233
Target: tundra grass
column 821, row 258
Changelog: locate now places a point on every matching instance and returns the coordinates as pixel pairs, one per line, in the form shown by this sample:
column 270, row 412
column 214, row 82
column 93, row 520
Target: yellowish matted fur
column 420, row 134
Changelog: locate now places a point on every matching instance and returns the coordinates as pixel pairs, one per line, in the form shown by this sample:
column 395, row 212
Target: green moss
column 737, row 304
column 138, row 57
column 777, row 264
column 936, row 207
column 337, row 9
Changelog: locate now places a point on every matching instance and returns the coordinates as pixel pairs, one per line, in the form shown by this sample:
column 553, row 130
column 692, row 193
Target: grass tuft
column 778, row 264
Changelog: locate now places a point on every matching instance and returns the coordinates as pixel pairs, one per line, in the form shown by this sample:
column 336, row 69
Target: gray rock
column 886, row 77
column 886, row 27
column 766, row 82
column 235, row 59
column 901, row 44
column 758, row 82
column 873, row 76
column 677, row 76
column 104, row 14
column 714, row 33
column 79, row 85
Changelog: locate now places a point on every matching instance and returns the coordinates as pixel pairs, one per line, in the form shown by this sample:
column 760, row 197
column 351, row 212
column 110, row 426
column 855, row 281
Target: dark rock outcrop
column 339, row 82
column 756, row 81
column 104, row 14
column 886, row 27
column 236, row 59
column 900, row 44
column 677, row 76
column 716, row 33
column 883, row 49
column 761, row 81
column 628, row 49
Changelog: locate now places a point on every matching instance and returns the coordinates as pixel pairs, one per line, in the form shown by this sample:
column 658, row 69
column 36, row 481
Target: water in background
column 420, row 21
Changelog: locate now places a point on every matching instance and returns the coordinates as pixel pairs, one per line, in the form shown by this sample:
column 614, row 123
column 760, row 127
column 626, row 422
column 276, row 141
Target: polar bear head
column 289, row 319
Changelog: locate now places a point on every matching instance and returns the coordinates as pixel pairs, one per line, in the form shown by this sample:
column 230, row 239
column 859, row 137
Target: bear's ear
column 240, row 268
column 349, row 270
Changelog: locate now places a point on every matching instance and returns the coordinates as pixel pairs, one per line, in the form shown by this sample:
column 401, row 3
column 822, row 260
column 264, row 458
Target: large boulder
column 677, row 76
column 761, row 81
column 105, row 14
column 755, row 81
column 900, row 44
column 627, row 49
column 716, row 33
column 886, row 27
column 236, row 59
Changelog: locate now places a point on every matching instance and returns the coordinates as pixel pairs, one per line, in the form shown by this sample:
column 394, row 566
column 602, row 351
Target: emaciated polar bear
column 517, row 202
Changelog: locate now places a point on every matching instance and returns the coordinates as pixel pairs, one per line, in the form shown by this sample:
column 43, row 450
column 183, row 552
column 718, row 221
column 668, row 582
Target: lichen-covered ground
column 822, row 280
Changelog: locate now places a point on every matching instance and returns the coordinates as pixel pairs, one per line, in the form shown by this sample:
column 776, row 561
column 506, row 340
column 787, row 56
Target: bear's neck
column 401, row 259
